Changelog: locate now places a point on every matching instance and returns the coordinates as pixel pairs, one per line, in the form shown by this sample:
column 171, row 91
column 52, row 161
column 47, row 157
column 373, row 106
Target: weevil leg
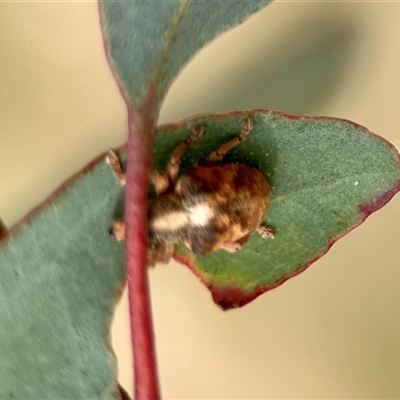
column 118, row 229
column 113, row 159
column 160, row 181
column 163, row 181
column 219, row 154
column 160, row 254
column 266, row 232
column 238, row 244
column 175, row 161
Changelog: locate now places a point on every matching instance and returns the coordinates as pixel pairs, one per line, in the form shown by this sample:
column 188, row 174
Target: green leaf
column 60, row 276
column 327, row 175
column 150, row 41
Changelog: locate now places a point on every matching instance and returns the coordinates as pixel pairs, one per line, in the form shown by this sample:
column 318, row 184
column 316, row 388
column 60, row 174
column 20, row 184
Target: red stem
column 136, row 191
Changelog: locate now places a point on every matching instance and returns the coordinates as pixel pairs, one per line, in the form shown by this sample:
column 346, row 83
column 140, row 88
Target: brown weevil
column 213, row 206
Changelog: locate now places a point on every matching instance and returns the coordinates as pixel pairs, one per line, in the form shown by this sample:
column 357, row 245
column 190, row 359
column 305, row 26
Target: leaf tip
column 225, row 297
column 229, row 298
column 368, row 208
column 123, row 393
column 4, row 232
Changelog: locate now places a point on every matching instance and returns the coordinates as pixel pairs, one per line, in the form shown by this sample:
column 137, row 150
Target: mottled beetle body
column 213, row 206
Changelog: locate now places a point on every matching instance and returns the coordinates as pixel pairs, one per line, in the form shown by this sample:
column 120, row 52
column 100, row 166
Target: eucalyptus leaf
column 327, row 176
column 150, row 41
column 60, row 276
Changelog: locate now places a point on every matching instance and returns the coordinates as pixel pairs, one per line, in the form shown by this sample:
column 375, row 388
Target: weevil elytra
column 213, row 206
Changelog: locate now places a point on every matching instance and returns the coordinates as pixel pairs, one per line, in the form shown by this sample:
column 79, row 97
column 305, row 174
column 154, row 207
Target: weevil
column 214, row 206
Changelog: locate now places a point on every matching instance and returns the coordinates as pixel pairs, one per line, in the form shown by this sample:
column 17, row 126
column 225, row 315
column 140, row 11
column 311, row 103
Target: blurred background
column 333, row 331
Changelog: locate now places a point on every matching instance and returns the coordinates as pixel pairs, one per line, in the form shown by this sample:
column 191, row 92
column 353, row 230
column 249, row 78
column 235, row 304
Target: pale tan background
column 334, row 331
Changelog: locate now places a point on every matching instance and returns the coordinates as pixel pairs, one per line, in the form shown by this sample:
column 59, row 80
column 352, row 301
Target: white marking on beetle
column 171, row 221
column 200, row 214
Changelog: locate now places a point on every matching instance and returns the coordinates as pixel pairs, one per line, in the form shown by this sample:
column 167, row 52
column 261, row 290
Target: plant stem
column 138, row 168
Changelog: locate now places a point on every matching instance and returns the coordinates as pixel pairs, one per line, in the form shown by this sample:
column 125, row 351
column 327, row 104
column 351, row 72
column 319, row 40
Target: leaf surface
column 148, row 42
column 327, row 176
column 60, row 276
